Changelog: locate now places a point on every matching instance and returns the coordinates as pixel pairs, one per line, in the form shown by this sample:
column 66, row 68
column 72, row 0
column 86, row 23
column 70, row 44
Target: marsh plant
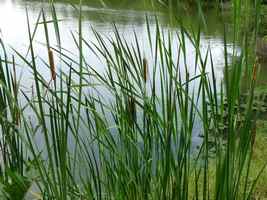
column 126, row 133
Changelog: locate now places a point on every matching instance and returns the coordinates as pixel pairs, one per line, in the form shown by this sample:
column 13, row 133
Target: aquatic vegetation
column 127, row 132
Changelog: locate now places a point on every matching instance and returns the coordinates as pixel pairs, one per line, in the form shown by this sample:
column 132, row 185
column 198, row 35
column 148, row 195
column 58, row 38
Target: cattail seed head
column 17, row 117
column 52, row 64
column 15, row 87
column 145, row 68
column 131, row 109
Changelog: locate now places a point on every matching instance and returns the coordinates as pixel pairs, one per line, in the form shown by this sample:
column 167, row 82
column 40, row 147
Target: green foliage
column 127, row 133
column 17, row 186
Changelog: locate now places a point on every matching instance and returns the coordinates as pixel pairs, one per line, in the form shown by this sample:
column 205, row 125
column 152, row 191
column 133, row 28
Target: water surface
column 129, row 17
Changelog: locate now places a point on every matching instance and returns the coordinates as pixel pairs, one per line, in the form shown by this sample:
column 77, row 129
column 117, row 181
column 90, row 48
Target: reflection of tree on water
column 135, row 11
column 134, row 4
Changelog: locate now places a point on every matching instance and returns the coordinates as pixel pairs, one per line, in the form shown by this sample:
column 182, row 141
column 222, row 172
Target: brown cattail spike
column 131, row 109
column 145, row 68
column 15, row 90
column 52, row 64
column 17, row 117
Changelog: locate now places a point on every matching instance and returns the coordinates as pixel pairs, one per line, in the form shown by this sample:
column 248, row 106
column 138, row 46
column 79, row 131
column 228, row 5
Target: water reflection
column 127, row 17
column 14, row 29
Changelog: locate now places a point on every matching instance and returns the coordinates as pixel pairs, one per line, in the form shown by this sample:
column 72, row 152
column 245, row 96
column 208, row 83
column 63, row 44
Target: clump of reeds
column 155, row 163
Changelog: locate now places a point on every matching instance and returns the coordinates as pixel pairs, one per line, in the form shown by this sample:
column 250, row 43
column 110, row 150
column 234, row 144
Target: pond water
column 129, row 16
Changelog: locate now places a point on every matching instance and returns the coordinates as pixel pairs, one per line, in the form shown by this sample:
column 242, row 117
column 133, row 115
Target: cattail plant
column 131, row 109
column 94, row 147
column 14, row 77
column 145, row 68
column 52, row 64
column 15, row 91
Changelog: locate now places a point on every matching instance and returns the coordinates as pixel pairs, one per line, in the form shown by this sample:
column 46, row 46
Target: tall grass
column 127, row 133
